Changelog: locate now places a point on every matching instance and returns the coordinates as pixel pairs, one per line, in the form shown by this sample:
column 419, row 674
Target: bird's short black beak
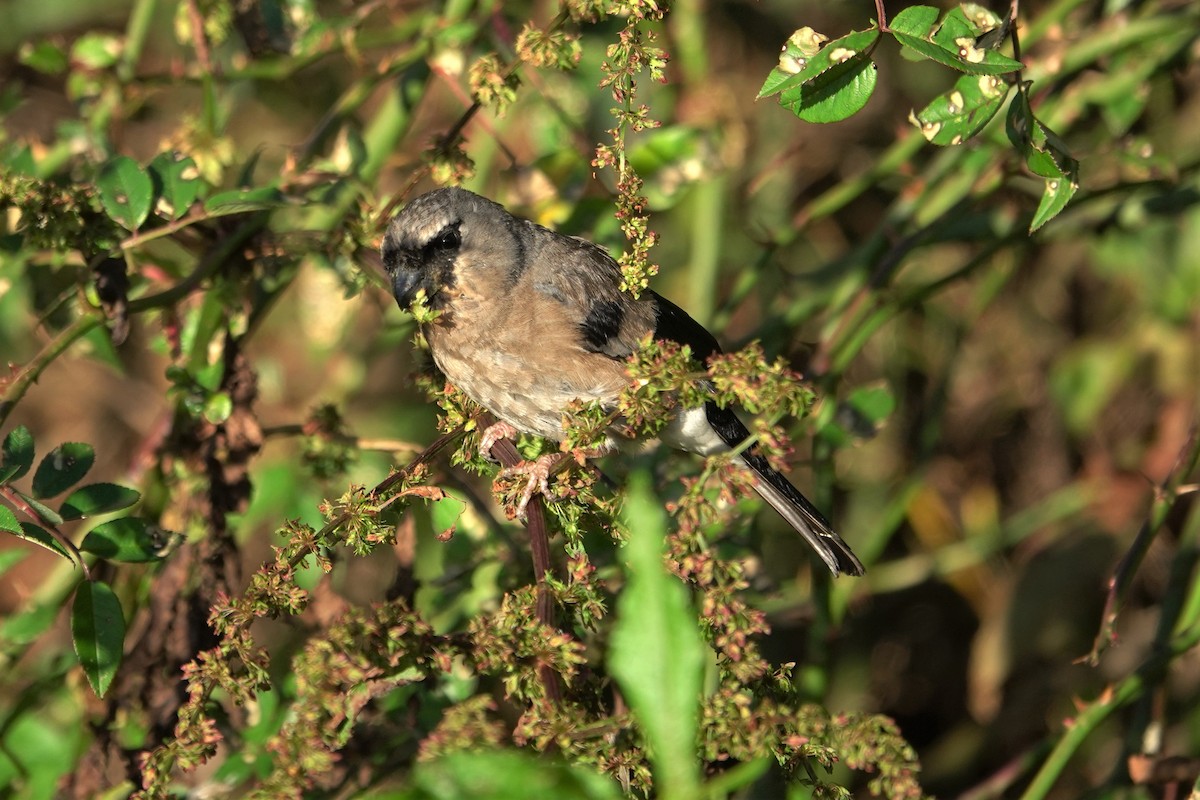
column 405, row 283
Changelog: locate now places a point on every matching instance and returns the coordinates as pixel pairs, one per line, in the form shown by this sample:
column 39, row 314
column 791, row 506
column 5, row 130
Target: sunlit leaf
column 126, row 191
column 962, row 112
column 8, row 521
column 954, row 42
column 1055, row 198
column 834, row 83
column 657, row 653
column 177, row 182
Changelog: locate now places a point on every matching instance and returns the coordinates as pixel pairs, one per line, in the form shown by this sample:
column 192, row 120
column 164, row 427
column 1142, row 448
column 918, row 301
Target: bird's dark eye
column 448, row 239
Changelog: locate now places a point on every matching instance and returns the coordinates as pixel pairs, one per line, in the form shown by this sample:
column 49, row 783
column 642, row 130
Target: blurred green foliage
column 1004, row 424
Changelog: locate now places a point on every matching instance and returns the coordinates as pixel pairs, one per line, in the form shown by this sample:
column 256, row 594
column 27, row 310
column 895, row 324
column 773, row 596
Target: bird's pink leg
column 494, row 433
column 537, row 475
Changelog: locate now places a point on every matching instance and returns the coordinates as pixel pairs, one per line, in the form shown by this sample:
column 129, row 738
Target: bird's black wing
column 586, row 280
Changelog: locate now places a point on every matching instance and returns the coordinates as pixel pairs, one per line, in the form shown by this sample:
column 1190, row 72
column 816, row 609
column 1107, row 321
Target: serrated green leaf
column 177, row 182
column 914, row 21
column 8, row 521
column 42, row 537
column 98, row 630
column 126, row 191
column 128, row 539
column 962, row 112
column 1046, row 156
column 797, row 50
column 16, row 455
column 98, row 498
column 242, row 200
column 62, row 468
column 657, row 653
column 836, row 83
column 1054, row 199
column 45, row 57
column 952, row 43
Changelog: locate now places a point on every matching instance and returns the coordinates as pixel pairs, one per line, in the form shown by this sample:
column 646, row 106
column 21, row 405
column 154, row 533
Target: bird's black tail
column 786, row 498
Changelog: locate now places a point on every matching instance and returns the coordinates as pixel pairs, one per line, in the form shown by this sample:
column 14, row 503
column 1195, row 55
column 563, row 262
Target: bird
column 529, row 320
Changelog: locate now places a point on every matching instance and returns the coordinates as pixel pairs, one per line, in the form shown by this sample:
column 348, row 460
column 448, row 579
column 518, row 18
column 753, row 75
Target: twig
column 539, row 544
column 881, row 13
column 199, row 40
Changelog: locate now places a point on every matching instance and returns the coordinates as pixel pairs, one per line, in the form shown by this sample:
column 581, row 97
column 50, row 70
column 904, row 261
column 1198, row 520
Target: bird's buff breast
column 528, row 383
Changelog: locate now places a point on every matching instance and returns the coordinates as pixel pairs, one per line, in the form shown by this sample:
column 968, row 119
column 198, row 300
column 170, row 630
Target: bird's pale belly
column 531, row 402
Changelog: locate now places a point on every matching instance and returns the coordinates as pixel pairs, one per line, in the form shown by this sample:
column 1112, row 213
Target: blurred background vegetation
column 1006, row 416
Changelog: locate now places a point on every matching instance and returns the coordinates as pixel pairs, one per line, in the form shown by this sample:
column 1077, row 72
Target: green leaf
column 8, row 521
column 177, row 182
column 242, row 200
column 48, row 514
column 16, row 456
column 955, row 42
column 126, row 191
column 98, row 629
column 38, row 535
column 45, row 57
column 797, row 50
column 1058, row 193
column 62, row 468
column 1045, row 155
column 836, row 82
column 657, row 654
column 507, row 775
column 128, row 539
column 96, row 50
column 97, row 498
column 962, row 112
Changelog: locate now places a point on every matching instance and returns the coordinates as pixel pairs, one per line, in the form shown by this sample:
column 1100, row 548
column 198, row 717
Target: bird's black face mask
column 428, row 266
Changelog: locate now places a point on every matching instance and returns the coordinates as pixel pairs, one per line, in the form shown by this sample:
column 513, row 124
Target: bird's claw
column 492, row 434
column 537, row 478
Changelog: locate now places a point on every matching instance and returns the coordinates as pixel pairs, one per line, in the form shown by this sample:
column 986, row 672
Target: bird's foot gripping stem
column 537, row 477
column 492, row 434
